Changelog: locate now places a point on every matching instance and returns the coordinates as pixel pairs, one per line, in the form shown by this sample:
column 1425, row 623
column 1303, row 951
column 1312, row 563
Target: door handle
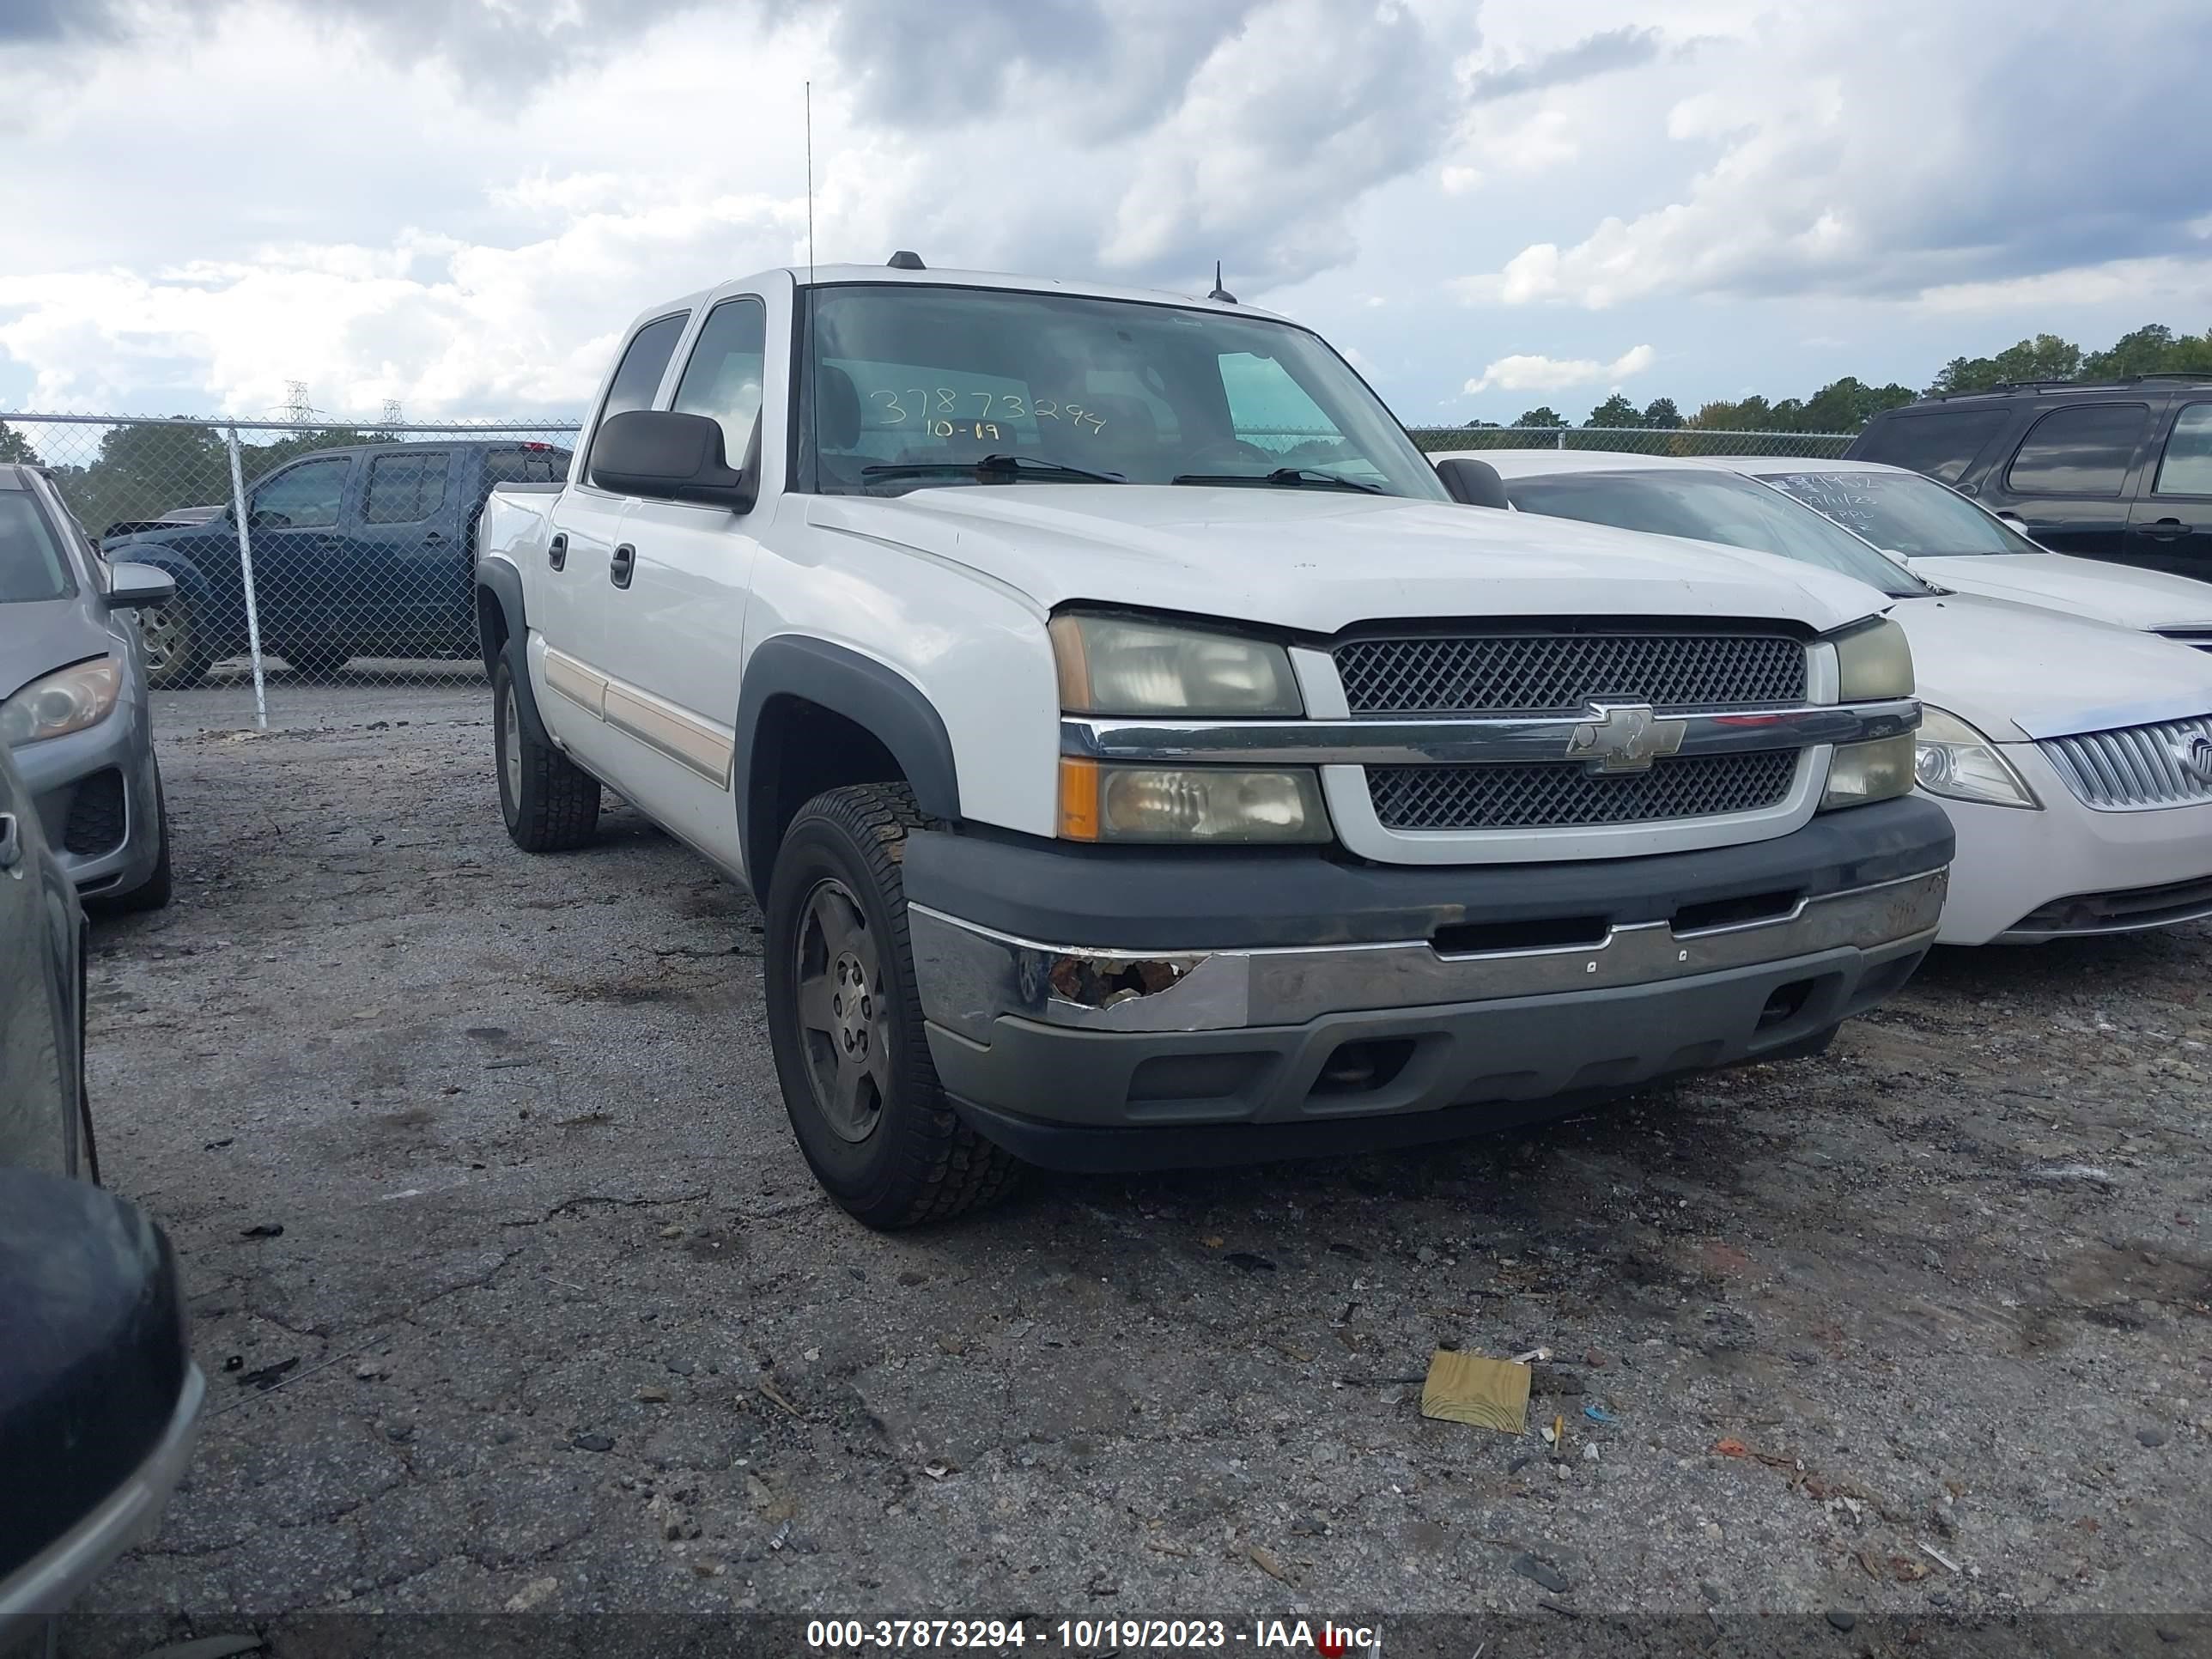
column 11, row 841
column 433, row 539
column 2163, row 530
column 622, row 566
column 557, row 550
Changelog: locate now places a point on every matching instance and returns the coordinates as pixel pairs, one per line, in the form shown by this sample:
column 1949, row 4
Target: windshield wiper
column 1035, row 466
column 1294, row 477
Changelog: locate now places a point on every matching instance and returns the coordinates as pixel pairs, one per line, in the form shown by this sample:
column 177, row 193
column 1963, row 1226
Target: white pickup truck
column 1141, row 761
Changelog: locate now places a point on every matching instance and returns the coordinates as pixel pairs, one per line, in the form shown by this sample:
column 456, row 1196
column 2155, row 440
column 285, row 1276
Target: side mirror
column 102, row 1398
column 1473, row 483
column 665, row 456
column 134, row 584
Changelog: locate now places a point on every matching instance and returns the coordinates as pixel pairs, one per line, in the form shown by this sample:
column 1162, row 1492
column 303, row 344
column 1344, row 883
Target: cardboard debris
column 1465, row 1387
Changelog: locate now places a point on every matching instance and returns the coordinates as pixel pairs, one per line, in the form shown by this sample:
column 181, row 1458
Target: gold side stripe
column 682, row 738
column 564, row 674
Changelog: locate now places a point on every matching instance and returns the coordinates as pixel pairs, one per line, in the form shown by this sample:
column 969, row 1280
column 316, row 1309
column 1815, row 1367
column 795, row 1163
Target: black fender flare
column 503, row 582
column 865, row 691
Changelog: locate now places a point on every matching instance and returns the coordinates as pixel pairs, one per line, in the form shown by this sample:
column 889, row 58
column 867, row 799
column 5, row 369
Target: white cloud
column 2181, row 282
column 1851, row 152
column 211, row 200
column 1531, row 372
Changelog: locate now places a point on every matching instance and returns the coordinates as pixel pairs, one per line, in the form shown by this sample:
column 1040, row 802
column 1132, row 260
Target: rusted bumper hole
column 1102, row 981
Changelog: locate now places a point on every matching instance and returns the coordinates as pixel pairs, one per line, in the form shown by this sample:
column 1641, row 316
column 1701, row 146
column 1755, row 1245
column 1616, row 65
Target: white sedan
column 2073, row 756
column 1962, row 544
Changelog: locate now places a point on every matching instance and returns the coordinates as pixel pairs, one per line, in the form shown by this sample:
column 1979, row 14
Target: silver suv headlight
column 66, row 701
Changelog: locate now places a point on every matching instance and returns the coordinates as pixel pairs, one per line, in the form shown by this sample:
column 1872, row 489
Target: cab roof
column 840, row 276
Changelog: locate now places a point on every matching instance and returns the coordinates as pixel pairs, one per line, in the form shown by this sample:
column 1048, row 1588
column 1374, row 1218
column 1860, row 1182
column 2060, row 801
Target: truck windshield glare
column 916, row 386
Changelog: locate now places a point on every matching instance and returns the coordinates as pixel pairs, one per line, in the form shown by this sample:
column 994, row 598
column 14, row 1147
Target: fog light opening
column 1785, row 1004
column 1358, row 1068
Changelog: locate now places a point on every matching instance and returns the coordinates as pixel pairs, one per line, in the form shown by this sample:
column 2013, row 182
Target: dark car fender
column 503, row 583
column 868, row 693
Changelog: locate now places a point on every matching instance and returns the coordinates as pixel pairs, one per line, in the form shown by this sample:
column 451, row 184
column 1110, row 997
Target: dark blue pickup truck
column 360, row 552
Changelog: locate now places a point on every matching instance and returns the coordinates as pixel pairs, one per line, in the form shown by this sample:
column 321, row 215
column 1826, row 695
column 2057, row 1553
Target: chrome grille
column 2136, row 767
column 1562, row 794
column 1548, row 673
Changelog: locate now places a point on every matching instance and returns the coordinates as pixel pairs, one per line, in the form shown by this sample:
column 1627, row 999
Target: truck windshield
column 915, row 386
column 1712, row 507
column 31, row 565
column 1905, row 512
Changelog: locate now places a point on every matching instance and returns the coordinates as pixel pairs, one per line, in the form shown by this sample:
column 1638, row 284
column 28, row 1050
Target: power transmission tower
column 296, row 406
column 392, row 414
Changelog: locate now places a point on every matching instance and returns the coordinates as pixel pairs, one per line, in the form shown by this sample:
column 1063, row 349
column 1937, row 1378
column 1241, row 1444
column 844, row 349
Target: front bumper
column 47, row 1584
column 1449, row 1000
column 2066, row 871
column 96, row 794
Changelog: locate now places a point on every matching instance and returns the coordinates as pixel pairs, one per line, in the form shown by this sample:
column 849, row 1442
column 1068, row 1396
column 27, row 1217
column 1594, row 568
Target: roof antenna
column 809, row 184
column 1220, row 293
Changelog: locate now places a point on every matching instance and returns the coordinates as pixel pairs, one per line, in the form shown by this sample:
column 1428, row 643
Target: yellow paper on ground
column 1465, row 1387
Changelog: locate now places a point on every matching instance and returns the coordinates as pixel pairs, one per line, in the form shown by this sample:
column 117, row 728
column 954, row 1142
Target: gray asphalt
column 557, row 1319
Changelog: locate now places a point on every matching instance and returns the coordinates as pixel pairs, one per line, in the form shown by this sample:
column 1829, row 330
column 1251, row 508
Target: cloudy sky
column 1491, row 203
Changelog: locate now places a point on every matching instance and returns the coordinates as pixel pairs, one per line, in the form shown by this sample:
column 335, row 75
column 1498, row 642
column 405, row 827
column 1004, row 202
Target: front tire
column 169, row 634
column 158, row 888
column 550, row 803
column 845, row 1022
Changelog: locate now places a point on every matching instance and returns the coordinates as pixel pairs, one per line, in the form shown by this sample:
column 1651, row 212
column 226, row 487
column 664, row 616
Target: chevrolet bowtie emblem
column 1624, row 736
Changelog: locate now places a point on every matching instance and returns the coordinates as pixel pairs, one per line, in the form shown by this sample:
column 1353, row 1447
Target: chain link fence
column 314, row 560
column 317, row 562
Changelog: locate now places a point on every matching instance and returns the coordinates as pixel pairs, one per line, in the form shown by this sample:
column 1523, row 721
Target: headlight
column 1188, row 804
column 1959, row 763
column 1112, row 666
column 1874, row 662
column 1863, row 773
column 63, row 702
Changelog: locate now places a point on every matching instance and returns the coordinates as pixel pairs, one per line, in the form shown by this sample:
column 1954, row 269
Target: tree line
column 1849, row 404
column 147, row 468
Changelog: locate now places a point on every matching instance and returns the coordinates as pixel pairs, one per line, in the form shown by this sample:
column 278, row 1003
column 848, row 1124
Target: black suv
column 2118, row 470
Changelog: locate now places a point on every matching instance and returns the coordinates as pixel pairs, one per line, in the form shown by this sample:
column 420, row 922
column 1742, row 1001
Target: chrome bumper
column 969, row 976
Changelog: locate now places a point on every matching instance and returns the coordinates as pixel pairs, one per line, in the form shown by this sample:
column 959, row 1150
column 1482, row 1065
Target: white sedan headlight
column 65, row 702
column 1956, row 762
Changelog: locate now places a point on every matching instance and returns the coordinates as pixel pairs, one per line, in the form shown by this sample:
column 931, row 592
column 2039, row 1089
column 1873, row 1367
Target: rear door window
column 406, row 489
column 2186, row 469
column 1942, row 443
column 541, row 465
column 2086, row 450
column 637, row 376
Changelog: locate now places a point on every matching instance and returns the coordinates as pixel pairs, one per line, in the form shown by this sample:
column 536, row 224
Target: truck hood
column 2023, row 671
column 2082, row 588
column 39, row 636
column 1318, row 561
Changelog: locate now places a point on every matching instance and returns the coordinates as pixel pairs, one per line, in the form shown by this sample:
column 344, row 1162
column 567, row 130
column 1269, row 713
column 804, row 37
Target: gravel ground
column 558, row 1321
